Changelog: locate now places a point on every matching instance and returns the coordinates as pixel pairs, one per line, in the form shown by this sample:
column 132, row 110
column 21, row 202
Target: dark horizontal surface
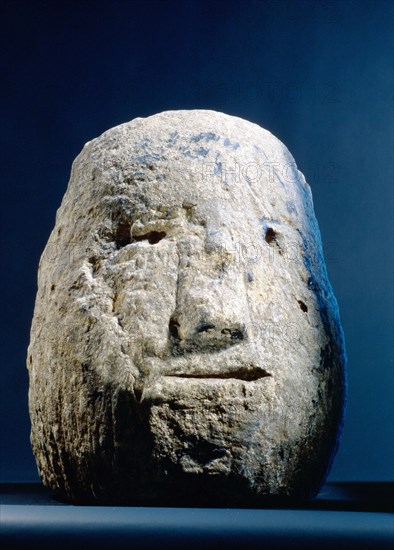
column 367, row 497
column 344, row 515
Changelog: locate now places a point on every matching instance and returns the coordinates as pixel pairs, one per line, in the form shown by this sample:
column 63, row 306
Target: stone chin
column 186, row 343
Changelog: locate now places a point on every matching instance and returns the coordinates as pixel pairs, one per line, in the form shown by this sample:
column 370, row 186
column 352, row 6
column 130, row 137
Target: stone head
column 198, row 346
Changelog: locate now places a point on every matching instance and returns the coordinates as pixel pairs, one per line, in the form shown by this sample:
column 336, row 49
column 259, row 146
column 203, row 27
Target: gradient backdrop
column 319, row 75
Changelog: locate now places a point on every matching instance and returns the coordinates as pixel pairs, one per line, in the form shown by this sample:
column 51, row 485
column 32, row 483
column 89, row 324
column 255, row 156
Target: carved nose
column 203, row 336
column 207, row 321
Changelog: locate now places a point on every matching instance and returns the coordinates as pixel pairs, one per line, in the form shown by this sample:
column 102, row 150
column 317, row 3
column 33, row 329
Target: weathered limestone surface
column 186, row 343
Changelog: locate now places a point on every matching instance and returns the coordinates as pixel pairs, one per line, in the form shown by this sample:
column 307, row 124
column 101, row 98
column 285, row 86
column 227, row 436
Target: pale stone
column 186, row 343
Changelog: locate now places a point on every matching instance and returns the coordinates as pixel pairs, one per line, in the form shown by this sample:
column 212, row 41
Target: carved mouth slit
column 247, row 374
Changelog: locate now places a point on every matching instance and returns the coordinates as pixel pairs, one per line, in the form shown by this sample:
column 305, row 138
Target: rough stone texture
column 186, row 344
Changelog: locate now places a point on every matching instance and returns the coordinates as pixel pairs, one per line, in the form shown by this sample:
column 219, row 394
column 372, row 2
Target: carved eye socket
column 153, row 237
column 123, row 236
column 270, row 235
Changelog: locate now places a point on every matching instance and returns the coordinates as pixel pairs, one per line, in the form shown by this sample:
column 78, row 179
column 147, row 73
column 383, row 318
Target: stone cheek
column 186, row 344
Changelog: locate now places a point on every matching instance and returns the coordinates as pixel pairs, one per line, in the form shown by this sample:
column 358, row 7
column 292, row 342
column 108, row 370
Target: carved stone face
column 200, row 349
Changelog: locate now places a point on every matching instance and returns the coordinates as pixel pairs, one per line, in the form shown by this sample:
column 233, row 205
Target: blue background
column 317, row 74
